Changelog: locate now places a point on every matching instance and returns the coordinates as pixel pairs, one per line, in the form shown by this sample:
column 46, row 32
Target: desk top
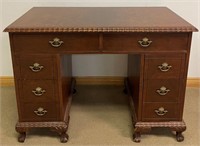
column 100, row 19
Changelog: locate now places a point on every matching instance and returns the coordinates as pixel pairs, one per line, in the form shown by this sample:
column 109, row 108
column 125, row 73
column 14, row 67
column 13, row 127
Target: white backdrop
column 98, row 65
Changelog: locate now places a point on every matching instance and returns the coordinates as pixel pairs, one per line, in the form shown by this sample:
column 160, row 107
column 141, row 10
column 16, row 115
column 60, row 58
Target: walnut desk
column 156, row 40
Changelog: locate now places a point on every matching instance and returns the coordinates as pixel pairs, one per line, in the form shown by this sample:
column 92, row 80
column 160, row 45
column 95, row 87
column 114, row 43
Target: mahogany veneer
column 158, row 48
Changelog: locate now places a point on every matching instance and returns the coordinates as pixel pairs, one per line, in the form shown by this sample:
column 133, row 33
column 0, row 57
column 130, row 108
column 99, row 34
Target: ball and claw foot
column 22, row 137
column 64, row 138
column 179, row 136
column 136, row 137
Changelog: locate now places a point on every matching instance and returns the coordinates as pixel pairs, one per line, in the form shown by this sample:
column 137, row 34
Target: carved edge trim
column 99, row 29
column 41, row 124
column 161, row 124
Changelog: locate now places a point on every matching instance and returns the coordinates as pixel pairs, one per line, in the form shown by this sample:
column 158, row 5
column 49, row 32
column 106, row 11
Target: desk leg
column 22, row 133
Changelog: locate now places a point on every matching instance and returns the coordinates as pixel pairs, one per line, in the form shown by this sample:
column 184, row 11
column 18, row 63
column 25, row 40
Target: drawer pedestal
column 140, row 127
column 60, row 127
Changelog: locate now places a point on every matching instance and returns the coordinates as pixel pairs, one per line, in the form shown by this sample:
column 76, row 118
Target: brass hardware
column 56, row 42
column 40, row 111
column 36, row 67
column 145, row 42
column 162, row 91
column 164, row 67
column 38, row 91
column 161, row 111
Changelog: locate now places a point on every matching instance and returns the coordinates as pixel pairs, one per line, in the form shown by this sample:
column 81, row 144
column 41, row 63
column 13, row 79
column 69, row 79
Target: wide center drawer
column 141, row 42
column 56, row 42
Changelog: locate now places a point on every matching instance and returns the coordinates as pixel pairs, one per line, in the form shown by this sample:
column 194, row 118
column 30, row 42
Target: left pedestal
column 44, row 88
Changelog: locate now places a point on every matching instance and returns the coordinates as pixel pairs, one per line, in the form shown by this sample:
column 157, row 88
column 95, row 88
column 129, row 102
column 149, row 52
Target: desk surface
column 96, row 19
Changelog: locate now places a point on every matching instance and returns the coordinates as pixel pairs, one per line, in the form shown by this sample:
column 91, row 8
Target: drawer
column 156, row 41
column 36, row 112
column 162, row 90
column 160, row 111
column 38, row 90
column 61, row 42
column 37, row 67
column 164, row 66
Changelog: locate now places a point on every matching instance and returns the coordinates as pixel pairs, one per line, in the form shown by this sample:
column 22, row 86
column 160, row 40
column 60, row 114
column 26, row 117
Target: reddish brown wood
column 151, row 86
column 135, row 81
column 140, row 126
column 27, row 88
column 72, row 42
column 47, row 72
column 129, row 19
column 28, row 114
column 176, row 61
column 129, row 42
column 149, row 113
column 100, row 31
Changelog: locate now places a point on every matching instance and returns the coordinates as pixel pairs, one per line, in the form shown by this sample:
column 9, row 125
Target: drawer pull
column 164, row 67
column 40, row 111
column 162, row 91
column 36, row 67
column 145, row 42
column 56, row 42
column 161, row 111
column 38, row 91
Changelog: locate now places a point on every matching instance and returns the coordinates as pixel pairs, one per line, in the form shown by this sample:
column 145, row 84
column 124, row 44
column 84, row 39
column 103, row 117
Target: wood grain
column 108, row 19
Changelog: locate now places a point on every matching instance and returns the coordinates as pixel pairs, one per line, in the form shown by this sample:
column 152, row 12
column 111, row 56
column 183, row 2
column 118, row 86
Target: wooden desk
column 156, row 40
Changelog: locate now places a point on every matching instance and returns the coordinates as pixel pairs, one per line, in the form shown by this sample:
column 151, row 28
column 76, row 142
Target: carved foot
column 179, row 136
column 22, row 137
column 136, row 137
column 64, row 137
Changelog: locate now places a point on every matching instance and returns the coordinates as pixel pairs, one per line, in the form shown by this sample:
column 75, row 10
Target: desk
column 156, row 40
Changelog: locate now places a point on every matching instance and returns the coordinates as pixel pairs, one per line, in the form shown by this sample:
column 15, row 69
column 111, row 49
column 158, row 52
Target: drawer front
column 160, row 111
column 56, row 43
column 137, row 42
column 164, row 67
column 42, row 111
column 37, row 67
column 38, row 90
column 162, row 90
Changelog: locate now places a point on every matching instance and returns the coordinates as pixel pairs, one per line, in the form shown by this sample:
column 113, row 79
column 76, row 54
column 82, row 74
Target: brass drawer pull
column 56, row 42
column 40, row 111
column 36, row 67
column 145, row 42
column 38, row 91
column 162, row 91
column 161, row 111
column 164, row 67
